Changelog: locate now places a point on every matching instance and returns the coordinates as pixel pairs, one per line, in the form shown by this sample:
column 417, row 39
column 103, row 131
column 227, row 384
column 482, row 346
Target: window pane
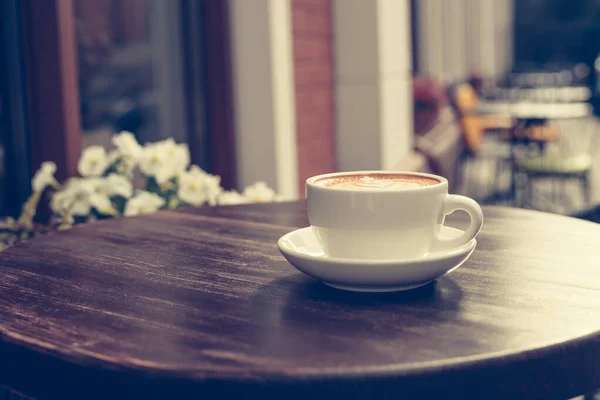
column 130, row 69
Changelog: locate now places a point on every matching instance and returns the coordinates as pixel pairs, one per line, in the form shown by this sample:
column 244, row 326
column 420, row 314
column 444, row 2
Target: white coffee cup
column 399, row 219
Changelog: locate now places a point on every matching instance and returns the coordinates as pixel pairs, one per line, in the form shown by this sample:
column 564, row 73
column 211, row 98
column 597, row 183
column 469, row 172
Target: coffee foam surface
column 377, row 181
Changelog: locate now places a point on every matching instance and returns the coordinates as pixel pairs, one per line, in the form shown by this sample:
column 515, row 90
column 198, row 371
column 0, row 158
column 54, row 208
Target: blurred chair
column 533, row 131
column 429, row 98
column 475, row 126
column 437, row 139
column 479, row 132
column 569, row 160
column 442, row 145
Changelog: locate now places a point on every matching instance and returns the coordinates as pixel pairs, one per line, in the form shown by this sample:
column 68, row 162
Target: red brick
column 301, row 20
column 317, row 5
column 312, row 48
column 306, row 21
column 312, row 75
column 318, row 100
column 315, row 88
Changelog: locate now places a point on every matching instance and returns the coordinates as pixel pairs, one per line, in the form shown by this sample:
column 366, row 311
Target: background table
column 200, row 302
column 523, row 113
column 532, row 110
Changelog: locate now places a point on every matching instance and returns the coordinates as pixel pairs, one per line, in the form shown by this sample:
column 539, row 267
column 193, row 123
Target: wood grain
column 209, row 87
column 199, row 301
column 52, row 91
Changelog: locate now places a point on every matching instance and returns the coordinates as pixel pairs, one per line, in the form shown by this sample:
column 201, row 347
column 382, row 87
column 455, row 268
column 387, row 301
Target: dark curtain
column 15, row 169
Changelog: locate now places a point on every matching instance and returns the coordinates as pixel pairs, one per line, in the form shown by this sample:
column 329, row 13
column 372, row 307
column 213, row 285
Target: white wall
column 373, row 88
column 457, row 37
column 373, row 83
column 264, row 94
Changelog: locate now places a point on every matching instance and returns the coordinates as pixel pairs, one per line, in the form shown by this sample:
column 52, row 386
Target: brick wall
column 315, row 91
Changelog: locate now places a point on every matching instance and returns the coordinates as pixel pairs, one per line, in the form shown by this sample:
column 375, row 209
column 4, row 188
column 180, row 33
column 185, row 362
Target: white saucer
column 303, row 251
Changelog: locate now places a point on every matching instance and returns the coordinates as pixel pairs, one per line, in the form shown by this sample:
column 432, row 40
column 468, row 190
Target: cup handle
column 455, row 202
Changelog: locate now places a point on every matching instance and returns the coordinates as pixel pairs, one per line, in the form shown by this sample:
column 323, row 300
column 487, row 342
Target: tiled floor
column 564, row 197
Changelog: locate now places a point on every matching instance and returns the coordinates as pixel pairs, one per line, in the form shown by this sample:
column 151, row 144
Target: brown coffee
column 376, row 181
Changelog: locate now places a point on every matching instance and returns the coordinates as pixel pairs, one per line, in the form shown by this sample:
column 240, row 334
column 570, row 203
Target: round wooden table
column 199, row 302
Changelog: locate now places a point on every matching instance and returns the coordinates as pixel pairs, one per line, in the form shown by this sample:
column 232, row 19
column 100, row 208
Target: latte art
column 370, row 183
column 384, row 182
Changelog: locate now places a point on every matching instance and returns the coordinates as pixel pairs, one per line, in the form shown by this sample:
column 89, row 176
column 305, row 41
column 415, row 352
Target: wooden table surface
column 199, row 301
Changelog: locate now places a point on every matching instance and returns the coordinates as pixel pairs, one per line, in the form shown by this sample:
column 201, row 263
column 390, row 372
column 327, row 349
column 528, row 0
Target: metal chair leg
column 500, row 164
column 460, row 171
column 522, row 189
column 513, row 172
column 555, row 190
column 528, row 200
column 463, row 176
column 563, row 191
column 585, row 184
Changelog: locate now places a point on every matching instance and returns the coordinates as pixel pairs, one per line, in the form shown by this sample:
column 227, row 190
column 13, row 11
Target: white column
column 472, row 36
column 264, row 94
column 430, row 28
column 373, row 83
column 487, row 38
column 457, row 37
column 504, row 35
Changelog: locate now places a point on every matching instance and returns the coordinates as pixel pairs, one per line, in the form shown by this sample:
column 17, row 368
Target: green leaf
column 151, row 185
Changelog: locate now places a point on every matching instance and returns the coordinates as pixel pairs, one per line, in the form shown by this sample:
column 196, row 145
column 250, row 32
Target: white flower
column 197, row 187
column 58, row 203
column 113, row 157
column 178, row 156
column 93, row 161
column 123, row 165
column 153, row 159
column 127, row 146
column 81, row 195
column 177, row 159
column 259, row 192
column 127, row 154
column 231, row 197
column 100, row 195
column 44, row 177
column 118, row 185
column 75, row 199
column 164, row 160
column 143, row 203
column 213, row 189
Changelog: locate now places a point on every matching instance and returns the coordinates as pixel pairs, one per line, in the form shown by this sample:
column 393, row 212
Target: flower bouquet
column 131, row 179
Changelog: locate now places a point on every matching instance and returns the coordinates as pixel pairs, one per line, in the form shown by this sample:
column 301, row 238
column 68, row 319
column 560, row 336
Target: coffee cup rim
column 442, row 181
